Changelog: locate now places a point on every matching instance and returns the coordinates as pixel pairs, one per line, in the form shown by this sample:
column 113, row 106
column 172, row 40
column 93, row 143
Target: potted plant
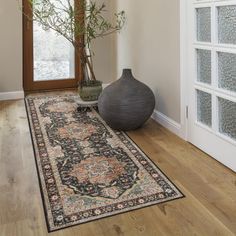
column 80, row 22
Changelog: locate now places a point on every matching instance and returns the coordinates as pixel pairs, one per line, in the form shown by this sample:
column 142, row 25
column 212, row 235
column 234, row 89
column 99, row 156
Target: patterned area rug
column 88, row 171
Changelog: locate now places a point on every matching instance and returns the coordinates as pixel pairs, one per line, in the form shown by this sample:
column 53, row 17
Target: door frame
column 184, row 68
column 28, row 70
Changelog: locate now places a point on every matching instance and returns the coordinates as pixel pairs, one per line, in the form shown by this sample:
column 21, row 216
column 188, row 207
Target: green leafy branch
column 79, row 21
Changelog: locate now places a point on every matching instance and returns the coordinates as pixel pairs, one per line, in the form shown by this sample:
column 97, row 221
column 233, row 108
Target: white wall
column 105, row 49
column 104, row 59
column 10, row 46
column 150, row 45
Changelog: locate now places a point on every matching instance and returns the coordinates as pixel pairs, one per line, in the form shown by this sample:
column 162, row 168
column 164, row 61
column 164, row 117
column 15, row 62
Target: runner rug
column 88, row 171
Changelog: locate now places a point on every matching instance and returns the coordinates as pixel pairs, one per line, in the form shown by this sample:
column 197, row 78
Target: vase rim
column 127, row 69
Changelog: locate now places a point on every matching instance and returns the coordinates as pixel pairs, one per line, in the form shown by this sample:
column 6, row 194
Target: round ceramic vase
column 127, row 103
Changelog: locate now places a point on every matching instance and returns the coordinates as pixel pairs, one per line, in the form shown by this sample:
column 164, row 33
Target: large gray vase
column 127, row 103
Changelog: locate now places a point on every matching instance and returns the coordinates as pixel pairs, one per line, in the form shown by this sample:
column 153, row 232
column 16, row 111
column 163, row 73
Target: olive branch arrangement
column 78, row 21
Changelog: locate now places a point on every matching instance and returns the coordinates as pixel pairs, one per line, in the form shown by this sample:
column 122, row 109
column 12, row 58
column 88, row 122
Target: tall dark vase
column 127, row 103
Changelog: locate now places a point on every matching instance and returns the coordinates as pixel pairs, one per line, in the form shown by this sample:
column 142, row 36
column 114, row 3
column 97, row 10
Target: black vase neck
column 127, row 73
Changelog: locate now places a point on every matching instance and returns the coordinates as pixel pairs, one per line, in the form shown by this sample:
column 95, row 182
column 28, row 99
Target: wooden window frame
column 28, row 68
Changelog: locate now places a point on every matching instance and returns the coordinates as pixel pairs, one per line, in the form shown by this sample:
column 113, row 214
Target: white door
column 212, row 78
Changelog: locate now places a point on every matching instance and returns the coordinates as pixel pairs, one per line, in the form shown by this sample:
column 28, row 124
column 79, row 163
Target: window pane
column 53, row 54
column 204, row 66
column 227, row 118
column 204, row 108
column 204, row 24
column 227, row 71
column 227, row 24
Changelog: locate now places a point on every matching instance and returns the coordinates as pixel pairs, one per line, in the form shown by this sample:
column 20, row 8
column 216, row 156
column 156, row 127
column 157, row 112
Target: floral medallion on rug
column 88, row 171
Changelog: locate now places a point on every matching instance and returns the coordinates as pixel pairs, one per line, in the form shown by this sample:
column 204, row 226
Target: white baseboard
column 168, row 123
column 11, row 95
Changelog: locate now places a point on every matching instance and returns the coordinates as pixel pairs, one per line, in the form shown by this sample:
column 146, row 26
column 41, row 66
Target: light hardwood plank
column 210, row 188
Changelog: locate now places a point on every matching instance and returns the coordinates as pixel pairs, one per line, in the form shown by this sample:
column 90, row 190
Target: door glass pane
column 204, row 108
column 227, row 118
column 204, row 24
column 204, row 66
column 53, row 55
column 227, row 71
column 227, row 24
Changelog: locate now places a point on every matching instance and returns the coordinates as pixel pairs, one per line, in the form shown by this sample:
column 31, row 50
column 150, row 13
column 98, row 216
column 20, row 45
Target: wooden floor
column 208, row 209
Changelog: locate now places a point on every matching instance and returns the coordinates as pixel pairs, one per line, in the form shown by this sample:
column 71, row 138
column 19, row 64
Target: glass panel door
column 212, row 78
